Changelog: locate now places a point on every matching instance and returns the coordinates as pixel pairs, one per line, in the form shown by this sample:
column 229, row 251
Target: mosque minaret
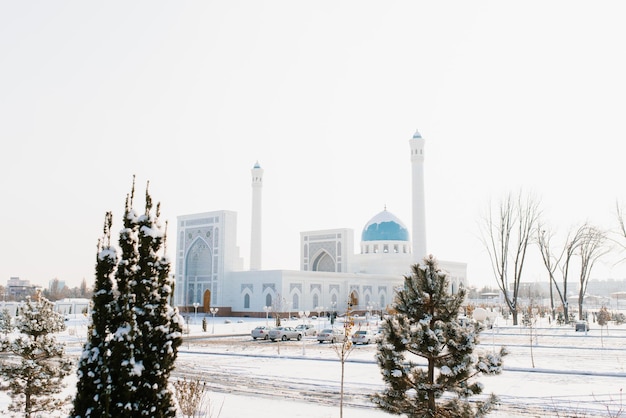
column 256, row 235
column 418, row 197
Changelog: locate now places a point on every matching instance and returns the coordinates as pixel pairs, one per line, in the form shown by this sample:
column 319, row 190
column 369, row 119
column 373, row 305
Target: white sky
column 325, row 95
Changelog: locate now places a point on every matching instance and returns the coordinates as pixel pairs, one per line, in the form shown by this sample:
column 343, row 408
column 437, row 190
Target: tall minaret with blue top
column 418, row 198
column 255, row 240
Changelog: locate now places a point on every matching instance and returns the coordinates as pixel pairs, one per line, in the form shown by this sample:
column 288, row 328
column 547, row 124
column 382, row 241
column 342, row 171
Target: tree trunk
column 27, row 405
column 432, row 405
column 341, row 390
column 552, row 310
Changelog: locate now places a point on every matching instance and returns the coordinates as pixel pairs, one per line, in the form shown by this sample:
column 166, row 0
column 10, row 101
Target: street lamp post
column 303, row 315
column 320, row 311
column 195, row 311
column 267, row 310
column 213, row 312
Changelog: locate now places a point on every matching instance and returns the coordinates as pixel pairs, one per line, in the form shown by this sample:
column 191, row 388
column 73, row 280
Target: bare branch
column 506, row 237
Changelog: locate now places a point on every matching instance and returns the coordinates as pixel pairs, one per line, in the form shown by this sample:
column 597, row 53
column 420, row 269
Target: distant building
column 18, row 289
column 209, row 269
column 56, row 285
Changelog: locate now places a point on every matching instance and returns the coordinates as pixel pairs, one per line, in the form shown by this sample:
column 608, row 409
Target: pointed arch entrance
column 354, row 299
column 206, row 300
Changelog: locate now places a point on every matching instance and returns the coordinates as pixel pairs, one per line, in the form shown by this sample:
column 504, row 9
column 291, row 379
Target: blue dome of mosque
column 385, row 226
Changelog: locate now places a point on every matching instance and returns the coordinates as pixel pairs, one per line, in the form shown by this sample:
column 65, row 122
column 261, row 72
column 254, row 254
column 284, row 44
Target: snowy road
column 573, row 373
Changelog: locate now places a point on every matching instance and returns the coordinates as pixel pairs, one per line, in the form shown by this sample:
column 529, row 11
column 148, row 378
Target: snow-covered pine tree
column 425, row 328
column 125, row 370
column 36, row 365
column 93, row 388
column 135, row 332
column 603, row 320
column 6, row 321
column 159, row 327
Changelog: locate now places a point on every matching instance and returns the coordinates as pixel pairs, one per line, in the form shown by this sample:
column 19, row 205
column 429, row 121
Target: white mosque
column 209, row 270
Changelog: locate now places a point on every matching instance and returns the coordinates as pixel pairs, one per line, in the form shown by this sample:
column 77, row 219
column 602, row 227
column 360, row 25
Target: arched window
column 316, row 300
column 324, row 262
column 295, row 301
column 246, row 301
column 268, row 300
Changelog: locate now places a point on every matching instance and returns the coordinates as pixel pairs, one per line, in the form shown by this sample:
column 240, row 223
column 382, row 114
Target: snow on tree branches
column 426, row 355
column 135, row 333
column 35, row 366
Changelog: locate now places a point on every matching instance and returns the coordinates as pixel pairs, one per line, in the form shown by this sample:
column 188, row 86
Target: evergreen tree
column 160, row 335
column 94, row 382
column 424, row 327
column 36, row 378
column 136, row 333
column 6, row 321
column 603, row 320
column 124, row 368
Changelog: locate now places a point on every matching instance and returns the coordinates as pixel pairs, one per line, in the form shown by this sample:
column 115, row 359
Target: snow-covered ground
column 561, row 373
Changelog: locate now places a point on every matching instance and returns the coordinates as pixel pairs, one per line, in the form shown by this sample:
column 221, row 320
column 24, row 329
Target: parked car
column 363, row 337
column 582, row 326
column 306, row 329
column 285, row 333
column 331, row 335
column 261, row 332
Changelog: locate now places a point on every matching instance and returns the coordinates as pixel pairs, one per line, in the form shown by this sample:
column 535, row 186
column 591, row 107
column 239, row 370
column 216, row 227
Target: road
column 588, row 383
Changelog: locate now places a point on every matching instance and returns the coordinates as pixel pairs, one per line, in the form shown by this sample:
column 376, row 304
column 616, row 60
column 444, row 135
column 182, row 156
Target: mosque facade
column 210, row 271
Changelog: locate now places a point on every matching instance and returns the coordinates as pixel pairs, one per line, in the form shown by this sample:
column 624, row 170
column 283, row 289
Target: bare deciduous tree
column 559, row 261
column 506, row 235
column 586, row 245
column 343, row 350
column 193, row 400
column 592, row 247
column 620, row 241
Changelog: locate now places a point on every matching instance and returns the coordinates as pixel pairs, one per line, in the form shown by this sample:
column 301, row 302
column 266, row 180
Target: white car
column 331, row 335
column 363, row 337
column 261, row 332
column 307, row 329
column 285, row 333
